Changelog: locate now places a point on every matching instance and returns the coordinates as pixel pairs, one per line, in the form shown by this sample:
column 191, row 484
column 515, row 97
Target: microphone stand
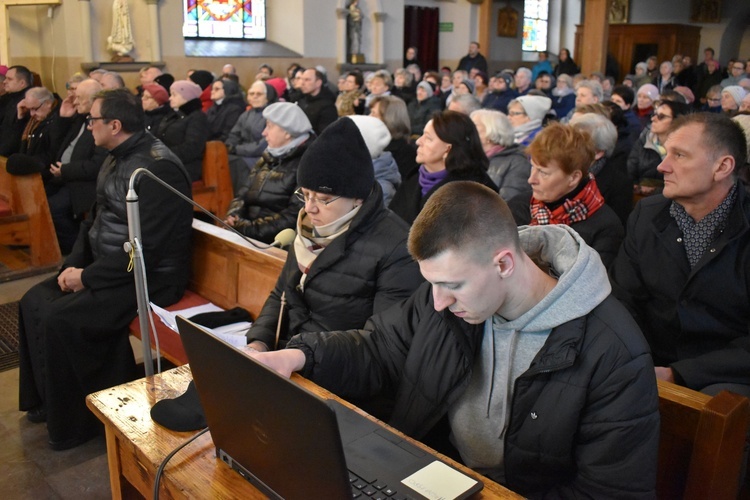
column 134, row 247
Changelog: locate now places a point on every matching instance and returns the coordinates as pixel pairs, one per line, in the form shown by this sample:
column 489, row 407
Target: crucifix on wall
column 5, row 23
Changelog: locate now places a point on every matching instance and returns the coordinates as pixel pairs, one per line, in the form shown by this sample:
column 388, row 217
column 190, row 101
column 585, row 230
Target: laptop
column 290, row 443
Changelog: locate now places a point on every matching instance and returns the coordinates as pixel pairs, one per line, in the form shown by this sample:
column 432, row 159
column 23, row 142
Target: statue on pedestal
column 121, row 40
column 354, row 33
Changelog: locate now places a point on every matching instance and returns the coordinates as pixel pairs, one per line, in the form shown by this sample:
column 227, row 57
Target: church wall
column 53, row 46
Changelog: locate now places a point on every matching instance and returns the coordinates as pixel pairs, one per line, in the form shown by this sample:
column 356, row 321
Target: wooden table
column 136, row 445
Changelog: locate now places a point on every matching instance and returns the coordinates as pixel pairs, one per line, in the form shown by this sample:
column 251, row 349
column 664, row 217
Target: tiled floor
column 28, row 467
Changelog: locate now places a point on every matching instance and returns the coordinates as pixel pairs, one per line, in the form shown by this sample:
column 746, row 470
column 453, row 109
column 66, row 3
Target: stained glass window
column 238, row 19
column 535, row 15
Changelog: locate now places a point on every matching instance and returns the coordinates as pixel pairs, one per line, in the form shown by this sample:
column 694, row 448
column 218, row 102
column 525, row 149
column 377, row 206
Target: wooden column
column 595, row 36
column 5, row 24
column 485, row 28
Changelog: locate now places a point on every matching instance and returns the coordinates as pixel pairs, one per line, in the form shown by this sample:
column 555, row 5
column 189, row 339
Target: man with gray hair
column 464, row 103
column 41, row 107
column 684, row 267
column 111, row 80
column 522, row 80
column 75, row 165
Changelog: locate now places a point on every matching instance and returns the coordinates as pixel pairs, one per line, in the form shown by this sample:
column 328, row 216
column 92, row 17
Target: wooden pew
column 701, row 443
column 214, row 190
column 227, row 271
column 25, row 220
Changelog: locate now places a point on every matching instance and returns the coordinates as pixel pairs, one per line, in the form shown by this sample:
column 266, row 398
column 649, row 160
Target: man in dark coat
column 17, row 80
column 543, row 378
column 77, row 164
column 473, row 60
column 684, row 266
column 73, row 328
column 318, row 103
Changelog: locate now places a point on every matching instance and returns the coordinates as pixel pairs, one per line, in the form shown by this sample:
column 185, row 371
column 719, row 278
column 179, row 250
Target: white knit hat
column 535, row 106
column 737, row 93
column 374, row 131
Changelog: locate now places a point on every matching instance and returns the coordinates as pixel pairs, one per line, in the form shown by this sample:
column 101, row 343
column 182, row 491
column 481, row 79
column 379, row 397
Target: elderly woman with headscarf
column 563, row 96
column 228, row 106
column 245, row 142
column 185, row 130
column 266, row 202
column 509, row 167
column 449, row 150
column 565, row 192
column 349, row 259
column 526, row 114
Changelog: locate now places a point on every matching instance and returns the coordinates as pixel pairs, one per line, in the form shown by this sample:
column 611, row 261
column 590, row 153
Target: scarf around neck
column 576, row 209
column 311, row 241
column 428, row 180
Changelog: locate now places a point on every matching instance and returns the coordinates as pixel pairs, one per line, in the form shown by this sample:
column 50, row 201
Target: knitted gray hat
column 338, row 162
column 288, row 116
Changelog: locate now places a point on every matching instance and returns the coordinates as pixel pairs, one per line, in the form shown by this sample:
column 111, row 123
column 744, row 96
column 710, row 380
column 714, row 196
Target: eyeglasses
column 515, row 113
column 37, row 108
column 91, row 119
column 662, row 116
column 313, row 201
column 740, row 68
column 256, row 94
column 713, row 99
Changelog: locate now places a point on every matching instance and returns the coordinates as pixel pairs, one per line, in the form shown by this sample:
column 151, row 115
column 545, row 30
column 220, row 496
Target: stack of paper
column 233, row 334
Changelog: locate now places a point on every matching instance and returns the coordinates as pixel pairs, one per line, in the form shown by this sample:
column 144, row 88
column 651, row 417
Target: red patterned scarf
column 576, row 209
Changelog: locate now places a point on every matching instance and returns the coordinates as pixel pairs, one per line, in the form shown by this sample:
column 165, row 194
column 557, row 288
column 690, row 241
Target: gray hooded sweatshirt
column 479, row 419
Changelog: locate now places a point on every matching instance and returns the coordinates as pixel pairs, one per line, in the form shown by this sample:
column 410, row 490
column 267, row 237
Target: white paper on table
column 233, row 334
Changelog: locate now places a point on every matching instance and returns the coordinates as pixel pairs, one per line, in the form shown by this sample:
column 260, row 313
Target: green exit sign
column 445, row 27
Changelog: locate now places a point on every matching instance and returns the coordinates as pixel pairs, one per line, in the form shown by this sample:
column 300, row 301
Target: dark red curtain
column 421, row 31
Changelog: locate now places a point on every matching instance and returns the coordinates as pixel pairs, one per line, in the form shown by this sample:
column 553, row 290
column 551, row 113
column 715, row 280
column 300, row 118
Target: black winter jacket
column 266, row 203
column 185, row 132
column 362, row 272
column 166, row 220
column 642, row 162
column 320, row 109
column 584, row 418
column 80, row 173
column 222, row 117
column 696, row 321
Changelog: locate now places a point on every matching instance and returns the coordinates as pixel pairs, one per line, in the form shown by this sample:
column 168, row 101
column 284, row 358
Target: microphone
column 135, row 249
column 285, row 237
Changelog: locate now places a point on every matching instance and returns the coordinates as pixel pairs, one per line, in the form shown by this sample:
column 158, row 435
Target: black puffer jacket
column 165, row 219
column 185, row 132
column 266, row 203
column 584, row 418
column 362, row 272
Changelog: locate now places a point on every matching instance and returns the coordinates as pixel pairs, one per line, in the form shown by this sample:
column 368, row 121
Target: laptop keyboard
column 361, row 488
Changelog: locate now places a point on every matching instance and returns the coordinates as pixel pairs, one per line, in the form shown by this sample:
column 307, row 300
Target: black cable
column 163, row 464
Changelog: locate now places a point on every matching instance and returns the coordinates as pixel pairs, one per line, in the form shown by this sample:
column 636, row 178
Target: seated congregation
column 469, row 264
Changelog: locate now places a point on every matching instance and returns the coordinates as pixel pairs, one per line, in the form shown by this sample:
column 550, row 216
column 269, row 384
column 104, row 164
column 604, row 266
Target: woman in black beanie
column 449, row 150
column 349, row 259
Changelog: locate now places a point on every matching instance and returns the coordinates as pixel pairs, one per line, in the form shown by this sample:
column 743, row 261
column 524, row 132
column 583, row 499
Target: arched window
column 535, row 16
column 229, row 19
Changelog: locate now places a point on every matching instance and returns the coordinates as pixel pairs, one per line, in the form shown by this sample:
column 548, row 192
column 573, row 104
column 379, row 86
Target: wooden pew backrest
column 214, row 191
column 701, row 443
column 29, row 222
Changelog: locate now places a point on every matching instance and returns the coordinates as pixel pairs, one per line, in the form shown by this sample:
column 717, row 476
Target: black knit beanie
column 338, row 163
column 202, row 77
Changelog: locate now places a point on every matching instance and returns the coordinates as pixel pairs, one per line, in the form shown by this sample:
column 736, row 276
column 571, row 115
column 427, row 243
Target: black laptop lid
column 285, row 443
